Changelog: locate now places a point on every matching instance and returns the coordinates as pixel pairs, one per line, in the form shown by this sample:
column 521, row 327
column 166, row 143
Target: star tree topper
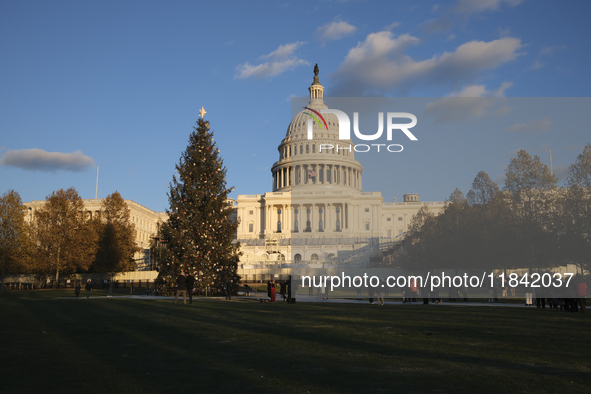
column 202, row 112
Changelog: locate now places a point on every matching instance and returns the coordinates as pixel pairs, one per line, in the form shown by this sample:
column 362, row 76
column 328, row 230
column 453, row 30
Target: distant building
column 145, row 220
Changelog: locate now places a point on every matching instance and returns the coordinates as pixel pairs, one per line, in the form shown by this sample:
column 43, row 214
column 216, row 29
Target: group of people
column 570, row 299
column 272, row 290
column 184, row 281
column 87, row 287
column 186, row 285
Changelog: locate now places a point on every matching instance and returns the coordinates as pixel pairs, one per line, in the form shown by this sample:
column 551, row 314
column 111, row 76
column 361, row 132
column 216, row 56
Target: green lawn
column 125, row 345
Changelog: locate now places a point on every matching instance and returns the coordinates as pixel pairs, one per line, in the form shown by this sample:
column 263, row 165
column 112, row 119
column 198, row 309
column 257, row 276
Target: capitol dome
column 317, row 212
column 323, row 160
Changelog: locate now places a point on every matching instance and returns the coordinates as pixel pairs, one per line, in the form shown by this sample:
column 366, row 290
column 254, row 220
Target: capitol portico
column 317, row 210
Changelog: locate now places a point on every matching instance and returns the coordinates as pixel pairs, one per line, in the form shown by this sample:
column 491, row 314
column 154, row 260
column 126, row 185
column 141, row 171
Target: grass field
column 117, row 345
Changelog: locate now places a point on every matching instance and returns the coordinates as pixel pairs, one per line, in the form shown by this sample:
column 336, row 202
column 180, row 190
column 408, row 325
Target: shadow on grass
column 216, row 346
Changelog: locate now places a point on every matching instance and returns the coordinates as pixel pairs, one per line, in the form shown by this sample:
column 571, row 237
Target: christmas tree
column 199, row 230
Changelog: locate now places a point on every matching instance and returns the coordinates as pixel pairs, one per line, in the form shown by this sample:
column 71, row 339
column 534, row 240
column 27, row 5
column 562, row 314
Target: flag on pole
column 311, row 174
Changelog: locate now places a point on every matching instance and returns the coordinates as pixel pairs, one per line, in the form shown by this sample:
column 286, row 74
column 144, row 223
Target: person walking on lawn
column 181, row 288
column 110, row 287
column 88, row 288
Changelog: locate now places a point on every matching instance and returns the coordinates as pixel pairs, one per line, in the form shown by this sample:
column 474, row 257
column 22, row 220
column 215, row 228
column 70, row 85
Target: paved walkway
column 317, row 300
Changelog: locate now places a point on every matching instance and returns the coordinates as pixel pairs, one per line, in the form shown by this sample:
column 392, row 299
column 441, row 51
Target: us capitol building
column 317, row 212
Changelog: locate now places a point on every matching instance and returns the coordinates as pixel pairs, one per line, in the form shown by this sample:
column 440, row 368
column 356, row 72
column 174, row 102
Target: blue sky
column 119, row 85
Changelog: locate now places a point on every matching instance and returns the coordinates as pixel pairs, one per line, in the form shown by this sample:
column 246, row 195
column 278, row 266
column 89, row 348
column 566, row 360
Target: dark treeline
column 62, row 239
column 531, row 223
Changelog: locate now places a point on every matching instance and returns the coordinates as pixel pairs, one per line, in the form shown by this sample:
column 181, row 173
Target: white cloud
column 451, row 37
column 463, row 9
column 40, row 160
column 284, row 51
column 335, row 30
column 536, row 65
column 268, row 69
column 470, row 91
column 473, row 101
column 280, row 60
column 534, row 127
column 546, row 51
column 481, row 91
column 379, row 64
column 477, row 6
column 437, row 25
column 504, row 32
column 392, row 25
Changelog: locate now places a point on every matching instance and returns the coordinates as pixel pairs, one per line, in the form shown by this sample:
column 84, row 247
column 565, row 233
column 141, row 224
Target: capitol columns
column 287, row 210
column 280, row 172
column 313, row 218
column 286, row 176
column 304, row 174
column 265, row 220
column 317, row 177
column 348, row 215
column 257, row 220
column 271, row 219
column 375, row 225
